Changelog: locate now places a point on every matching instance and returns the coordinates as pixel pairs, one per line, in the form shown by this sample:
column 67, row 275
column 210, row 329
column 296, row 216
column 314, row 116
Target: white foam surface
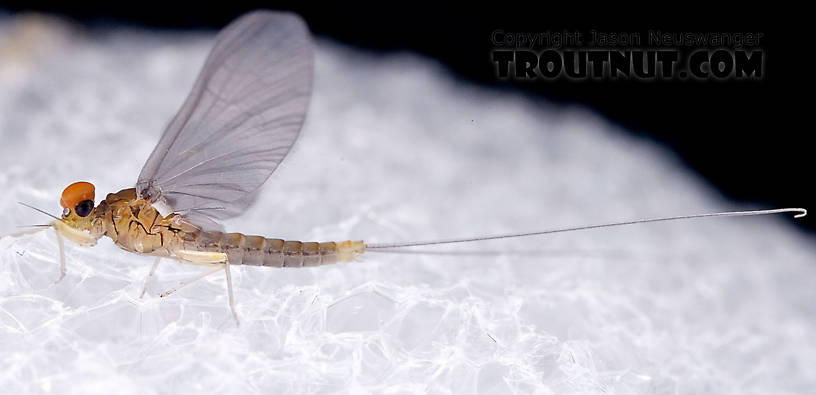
column 394, row 149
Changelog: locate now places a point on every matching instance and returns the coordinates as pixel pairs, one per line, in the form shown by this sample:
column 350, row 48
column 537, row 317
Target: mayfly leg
column 61, row 246
column 185, row 283
column 207, row 257
column 229, row 292
column 149, row 276
column 205, row 274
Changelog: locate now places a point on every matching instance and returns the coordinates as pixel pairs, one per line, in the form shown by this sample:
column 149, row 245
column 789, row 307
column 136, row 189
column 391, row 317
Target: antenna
column 42, row 211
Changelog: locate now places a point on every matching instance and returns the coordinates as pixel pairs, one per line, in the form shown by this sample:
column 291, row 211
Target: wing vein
column 239, row 122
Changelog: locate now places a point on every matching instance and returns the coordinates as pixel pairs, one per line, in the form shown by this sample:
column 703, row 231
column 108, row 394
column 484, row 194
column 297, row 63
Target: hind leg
column 190, row 281
column 229, row 293
column 207, row 257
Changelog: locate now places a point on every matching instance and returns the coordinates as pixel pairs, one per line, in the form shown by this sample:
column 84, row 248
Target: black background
column 751, row 139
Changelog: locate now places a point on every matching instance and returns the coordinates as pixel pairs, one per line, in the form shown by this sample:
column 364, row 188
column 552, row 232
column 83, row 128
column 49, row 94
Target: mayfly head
column 77, row 202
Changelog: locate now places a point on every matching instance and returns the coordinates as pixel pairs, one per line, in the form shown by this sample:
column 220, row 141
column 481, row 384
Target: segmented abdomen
column 260, row 251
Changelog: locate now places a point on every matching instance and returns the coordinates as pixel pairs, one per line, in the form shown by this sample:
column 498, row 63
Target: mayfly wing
column 244, row 113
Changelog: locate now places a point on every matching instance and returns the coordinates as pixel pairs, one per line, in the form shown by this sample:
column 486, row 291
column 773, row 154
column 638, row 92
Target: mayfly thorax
column 240, row 120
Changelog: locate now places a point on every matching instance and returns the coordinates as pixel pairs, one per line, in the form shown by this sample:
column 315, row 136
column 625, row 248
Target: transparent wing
column 240, row 120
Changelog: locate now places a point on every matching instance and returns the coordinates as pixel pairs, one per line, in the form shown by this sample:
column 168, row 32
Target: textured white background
column 394, row 149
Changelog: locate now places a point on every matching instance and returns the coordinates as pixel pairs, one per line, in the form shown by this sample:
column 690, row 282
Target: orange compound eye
column 75, row 193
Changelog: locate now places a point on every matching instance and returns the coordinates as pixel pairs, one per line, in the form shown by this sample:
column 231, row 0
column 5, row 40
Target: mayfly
column 242, row 117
